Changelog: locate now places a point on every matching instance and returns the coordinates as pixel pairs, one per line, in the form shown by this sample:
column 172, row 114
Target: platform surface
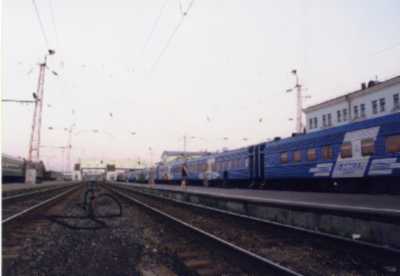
column 380, row 201
column 12, row 187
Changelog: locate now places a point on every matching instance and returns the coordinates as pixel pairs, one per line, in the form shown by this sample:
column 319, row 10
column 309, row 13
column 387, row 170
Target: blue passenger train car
column 359, row 156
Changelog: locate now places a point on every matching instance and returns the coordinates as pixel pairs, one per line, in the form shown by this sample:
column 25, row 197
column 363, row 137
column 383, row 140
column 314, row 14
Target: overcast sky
column 227, row 65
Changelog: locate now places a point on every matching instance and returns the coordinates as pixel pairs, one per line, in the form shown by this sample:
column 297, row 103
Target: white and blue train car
column 227, row 167
column 231, row 167
column 361, row 156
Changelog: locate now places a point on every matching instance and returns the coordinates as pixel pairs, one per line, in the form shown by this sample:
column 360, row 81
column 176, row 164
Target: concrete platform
column 16, row 187
column 328, row 200
column 370, row 218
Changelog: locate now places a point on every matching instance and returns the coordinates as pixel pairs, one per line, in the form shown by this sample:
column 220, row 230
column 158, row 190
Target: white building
column 372, row 100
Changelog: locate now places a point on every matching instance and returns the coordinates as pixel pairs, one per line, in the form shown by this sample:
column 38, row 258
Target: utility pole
column 184, row 147
column 299, row 105
column 69, row 147
column 34, row 144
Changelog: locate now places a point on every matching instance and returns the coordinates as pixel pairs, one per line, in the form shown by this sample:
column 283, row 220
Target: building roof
column 177, row 153
column 375, row 87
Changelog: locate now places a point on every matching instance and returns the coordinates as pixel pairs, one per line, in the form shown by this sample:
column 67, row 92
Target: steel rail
column 358, row 243
column 12, row 218
column 28, row 194
column 256, row 261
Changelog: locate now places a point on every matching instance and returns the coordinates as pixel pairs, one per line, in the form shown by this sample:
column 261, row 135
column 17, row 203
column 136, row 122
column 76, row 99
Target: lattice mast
column 34, row 144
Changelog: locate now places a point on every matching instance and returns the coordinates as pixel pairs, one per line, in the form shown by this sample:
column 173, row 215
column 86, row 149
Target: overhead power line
column 41, row 24
column 393, row 46
column 154, row 26
column 184, row 13
column 53, row 20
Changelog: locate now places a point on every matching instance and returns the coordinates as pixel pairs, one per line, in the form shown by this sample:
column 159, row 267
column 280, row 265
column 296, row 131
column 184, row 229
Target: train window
column 311, row 154
column 327, row 153
column 297, row 156
column 284, row 157
column 346, row 150
column 392, row 144
column 367, row 147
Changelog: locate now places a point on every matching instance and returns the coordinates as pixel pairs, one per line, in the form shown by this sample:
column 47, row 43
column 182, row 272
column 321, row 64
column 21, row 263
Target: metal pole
column 299, row 122
column 184, row 147
column 33, row 144
column 299, row 107
column 69, row 147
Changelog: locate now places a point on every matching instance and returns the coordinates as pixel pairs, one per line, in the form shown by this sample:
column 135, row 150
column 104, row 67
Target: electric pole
column 299, row 105
column 34, row 144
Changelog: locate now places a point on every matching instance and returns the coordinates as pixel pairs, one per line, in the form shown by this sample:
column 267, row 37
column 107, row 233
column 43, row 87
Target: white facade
column 378, row 99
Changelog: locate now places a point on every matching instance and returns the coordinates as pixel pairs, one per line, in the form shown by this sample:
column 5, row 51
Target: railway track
column 199, row 261
column 20, row 225
column 283, row 249
column 17, row 203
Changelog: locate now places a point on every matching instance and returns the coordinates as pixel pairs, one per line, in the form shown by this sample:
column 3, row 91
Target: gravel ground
column 302, row 253
column 66, row 242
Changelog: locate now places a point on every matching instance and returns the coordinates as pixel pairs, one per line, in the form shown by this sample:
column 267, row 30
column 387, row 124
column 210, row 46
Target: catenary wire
column 154, row 26
column 53, row 21
column 170, row 38
column 41, row 24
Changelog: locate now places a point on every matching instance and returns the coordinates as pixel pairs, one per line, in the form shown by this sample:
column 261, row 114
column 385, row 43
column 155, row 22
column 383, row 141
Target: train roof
column 336, row 130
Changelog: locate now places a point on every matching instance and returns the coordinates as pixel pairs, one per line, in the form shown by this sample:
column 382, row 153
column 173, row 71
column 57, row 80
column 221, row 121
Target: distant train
column 360, row 156
column 13, row 169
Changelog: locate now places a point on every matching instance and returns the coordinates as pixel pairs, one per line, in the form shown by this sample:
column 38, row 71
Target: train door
column 251, row 163
column 256, row 163
column 262, row 162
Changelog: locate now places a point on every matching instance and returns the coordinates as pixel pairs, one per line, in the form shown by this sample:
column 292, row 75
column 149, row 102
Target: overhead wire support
column 18, row 101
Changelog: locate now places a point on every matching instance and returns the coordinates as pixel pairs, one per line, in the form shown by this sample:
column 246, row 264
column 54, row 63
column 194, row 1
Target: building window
column 297, row 156
column 355, row 112
column 382, row 105
column 310, row 122
column 324, row 120
column 392, row 144
column 367, row 147
column 339, row 116
column 375, row 107
column 327, row 153
column 284, row 157
column 362, row 110
column 346, row 150
column 329, row 119
column 315, row 122
column 311, row 154
column 345, row 115
column 396, row 101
